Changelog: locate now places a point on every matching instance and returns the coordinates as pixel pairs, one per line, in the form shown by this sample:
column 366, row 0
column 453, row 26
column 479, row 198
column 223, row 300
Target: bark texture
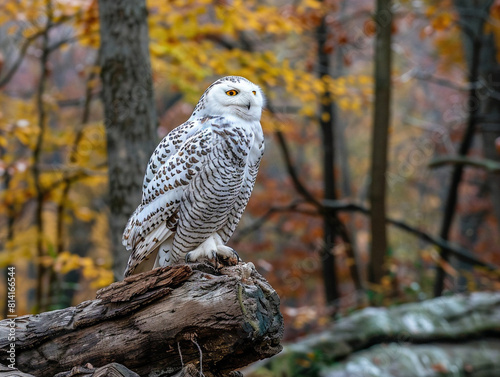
column 130, row 118
column 482, row 110
column 110, row 370
column 158, row 322
column 326, row 122
column 380, row 140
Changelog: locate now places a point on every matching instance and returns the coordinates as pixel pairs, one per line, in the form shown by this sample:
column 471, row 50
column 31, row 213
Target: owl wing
column 155, row 219
column 169, row 145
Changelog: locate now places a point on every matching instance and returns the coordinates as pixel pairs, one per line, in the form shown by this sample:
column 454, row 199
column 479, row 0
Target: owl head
column 231, row 95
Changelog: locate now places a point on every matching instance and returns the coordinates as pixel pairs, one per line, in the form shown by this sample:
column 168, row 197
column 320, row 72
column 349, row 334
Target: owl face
column 233, row 95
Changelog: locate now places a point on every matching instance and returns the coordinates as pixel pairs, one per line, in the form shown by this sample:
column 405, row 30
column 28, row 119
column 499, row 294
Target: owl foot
column 214, row 253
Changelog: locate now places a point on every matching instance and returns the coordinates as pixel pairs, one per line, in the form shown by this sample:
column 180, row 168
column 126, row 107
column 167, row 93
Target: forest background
column 307, row 227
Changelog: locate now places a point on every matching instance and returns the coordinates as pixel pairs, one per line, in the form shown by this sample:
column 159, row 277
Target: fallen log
column 446, row 336
column 157, row 323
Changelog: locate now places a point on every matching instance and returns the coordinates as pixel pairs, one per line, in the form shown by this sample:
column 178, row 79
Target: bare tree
column 481, row 60
column 381, row 120
column 130, row 116
column 333, row 228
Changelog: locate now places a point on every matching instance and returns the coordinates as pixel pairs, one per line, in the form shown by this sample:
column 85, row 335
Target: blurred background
column 428, row 166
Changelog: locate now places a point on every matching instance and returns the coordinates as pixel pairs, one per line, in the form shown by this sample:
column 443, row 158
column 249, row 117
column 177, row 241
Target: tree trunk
column 326, row 119
column 472, row 16
column 380, row 135
column 332, row 225
column 157, row 322
column 129, row 111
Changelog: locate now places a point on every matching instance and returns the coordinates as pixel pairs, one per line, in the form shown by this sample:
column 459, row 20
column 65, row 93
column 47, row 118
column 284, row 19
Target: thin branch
column 77, row 175
column 180, row 354
column 299, row 186
column 342, row 206
column 37, row 152
column 458, row 251
column 22, row 52
column 62, row 42
column 423, row 76
column 68, row 181
column 328, row 216
column 292, row 207
column 77, row 101
column 24, row 48
column 456, row 177
column 201, row 355
column 483, row 163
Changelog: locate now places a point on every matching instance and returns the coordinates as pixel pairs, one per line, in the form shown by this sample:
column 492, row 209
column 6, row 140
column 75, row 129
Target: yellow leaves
column 450, row 48
column 21, row 247
column 491, row 26
column 439, row 20
column 83, row 213
column 313, row 4
column 98, row 275
column 91, row 147
column 66, row 262
column 344, row 103
column 308, row 110
column 442, row 21
column 196, row 20
column 159, row 49
column 26, row 135
column 104, row 278
column 17, row 122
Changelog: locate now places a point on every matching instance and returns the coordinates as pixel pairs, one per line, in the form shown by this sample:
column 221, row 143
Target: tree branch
column 24, row 48
column 465, row 145
column 483, row 163
column 343, row 206
column 292, row 207
column 458, row 251
column 37, row 153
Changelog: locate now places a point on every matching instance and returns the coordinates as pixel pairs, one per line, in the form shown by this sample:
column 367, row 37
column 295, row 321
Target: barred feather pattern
column 200, row 177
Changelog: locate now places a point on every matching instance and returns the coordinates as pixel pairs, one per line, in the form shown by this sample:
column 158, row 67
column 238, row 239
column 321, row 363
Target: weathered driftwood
column 458, row 335
column 157, row 322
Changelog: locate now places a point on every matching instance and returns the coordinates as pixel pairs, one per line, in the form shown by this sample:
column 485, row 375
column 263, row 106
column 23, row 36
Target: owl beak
column 248, row 106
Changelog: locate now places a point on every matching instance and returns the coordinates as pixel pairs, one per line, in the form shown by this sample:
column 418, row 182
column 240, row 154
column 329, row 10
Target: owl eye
column 232, row 92
column 254, row 92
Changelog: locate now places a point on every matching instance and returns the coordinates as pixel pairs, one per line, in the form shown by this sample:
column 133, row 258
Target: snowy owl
column 199, row 180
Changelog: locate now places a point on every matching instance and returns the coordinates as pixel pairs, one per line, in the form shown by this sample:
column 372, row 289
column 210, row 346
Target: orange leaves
column 370, row 28
column 492, row 26
column 442, row 21
column 350, row 92
column 441, row 16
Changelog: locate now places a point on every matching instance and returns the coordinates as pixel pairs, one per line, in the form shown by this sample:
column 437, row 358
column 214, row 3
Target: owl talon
column 215, row 260
column 238, row 259
column 214, row 252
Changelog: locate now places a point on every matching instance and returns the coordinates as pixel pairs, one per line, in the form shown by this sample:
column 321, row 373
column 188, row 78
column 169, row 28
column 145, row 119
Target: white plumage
column 199, row 180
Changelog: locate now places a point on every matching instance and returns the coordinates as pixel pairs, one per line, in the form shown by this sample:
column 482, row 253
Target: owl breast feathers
column 199, row 180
